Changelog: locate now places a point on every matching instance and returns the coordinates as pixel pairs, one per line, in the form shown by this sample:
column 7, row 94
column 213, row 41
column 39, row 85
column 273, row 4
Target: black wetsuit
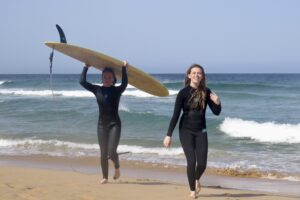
column 109, row 123
column 192, row 132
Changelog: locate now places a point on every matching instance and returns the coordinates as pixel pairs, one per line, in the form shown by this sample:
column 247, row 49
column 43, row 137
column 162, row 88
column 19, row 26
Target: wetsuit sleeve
column 84, row 83
column 124, row 83
column 176, row 113
column 215, row 108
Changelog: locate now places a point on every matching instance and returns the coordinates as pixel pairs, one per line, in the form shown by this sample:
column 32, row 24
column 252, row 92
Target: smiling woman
column 193, row 100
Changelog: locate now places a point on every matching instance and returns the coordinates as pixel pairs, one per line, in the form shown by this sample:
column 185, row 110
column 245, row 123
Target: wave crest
column 43, row 146
column 73, row 93
column 4, row 82
column 262, row 132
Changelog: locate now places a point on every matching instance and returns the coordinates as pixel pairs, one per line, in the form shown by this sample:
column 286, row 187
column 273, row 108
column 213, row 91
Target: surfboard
column 136, row 77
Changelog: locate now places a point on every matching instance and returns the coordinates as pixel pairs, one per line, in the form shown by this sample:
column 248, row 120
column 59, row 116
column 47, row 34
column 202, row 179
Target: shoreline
column 158, row 172
column 227, row 172
column 31, row 184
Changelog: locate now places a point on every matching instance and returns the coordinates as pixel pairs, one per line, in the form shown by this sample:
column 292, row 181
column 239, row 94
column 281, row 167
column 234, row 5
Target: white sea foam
column 172, row 81
column 29, row 146
column 42, row 93
column 122, row 107
column 262, row 132
column 38, row 144
column 173, row 92
column 155, row 150
column 139, row 93
column 136, row 93
column 71, row 93
column 128, row 86
column 291, row 178
column 3, row 82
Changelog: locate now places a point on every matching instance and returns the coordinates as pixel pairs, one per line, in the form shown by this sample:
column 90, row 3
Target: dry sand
column 33, row 183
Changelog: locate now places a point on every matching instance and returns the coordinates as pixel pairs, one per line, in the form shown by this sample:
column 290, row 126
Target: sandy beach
column 60, row 178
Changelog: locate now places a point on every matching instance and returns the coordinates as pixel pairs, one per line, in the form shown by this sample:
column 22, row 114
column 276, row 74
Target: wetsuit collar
column 191, row 87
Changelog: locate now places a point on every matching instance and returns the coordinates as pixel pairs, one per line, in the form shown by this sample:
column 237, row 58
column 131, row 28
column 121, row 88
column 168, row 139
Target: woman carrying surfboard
column 109, row 123
column 193, row 100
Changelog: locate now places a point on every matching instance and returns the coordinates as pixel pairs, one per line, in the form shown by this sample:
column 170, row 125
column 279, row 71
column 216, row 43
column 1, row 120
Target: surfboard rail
column 136, row 77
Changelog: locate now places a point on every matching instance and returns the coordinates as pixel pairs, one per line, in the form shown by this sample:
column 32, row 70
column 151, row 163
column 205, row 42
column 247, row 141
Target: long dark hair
column 198, row 97
column 110, row 70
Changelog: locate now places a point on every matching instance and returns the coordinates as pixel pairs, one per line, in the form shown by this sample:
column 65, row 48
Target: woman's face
column 196, row 75
column 107, row 79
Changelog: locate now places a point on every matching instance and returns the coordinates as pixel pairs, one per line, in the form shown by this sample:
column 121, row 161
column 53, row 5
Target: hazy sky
column 158, row 36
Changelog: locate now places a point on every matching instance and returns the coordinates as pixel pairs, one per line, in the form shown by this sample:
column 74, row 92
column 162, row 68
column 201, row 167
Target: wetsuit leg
column 113, row 142
column 188, row 144
column 103, row 142
column 201, row 154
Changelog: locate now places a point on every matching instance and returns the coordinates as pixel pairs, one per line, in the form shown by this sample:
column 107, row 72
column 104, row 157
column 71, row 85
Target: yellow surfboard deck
column 136, row 77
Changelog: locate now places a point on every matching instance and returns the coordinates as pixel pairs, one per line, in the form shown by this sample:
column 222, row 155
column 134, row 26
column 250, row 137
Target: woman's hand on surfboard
column 86, row 65
column 215, row 98
column 167, row 141
column 125, row 63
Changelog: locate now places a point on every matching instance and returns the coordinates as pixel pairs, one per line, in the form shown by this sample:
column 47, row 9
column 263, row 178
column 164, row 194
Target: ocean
column 258, row 129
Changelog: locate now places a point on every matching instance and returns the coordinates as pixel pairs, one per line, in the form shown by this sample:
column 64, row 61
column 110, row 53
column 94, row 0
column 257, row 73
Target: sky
column 157, row 36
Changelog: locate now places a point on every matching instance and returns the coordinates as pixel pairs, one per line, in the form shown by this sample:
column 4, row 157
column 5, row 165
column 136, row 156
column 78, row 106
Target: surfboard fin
column 62, row 36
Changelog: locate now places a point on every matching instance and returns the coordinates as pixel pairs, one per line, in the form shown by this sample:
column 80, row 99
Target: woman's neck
column 193, row 85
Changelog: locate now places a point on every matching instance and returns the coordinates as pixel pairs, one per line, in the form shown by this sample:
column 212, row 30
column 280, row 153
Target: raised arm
column 213, row 102
column 124, row 82
column 84, row 83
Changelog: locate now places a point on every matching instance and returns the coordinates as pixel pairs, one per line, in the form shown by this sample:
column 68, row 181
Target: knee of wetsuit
column 191, row 162
column 111, row 154
column 201, row 166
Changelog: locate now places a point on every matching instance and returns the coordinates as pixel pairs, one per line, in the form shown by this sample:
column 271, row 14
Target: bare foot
column 104, row 181
column 198, row 186
column 117, row 174
column 193, row 195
